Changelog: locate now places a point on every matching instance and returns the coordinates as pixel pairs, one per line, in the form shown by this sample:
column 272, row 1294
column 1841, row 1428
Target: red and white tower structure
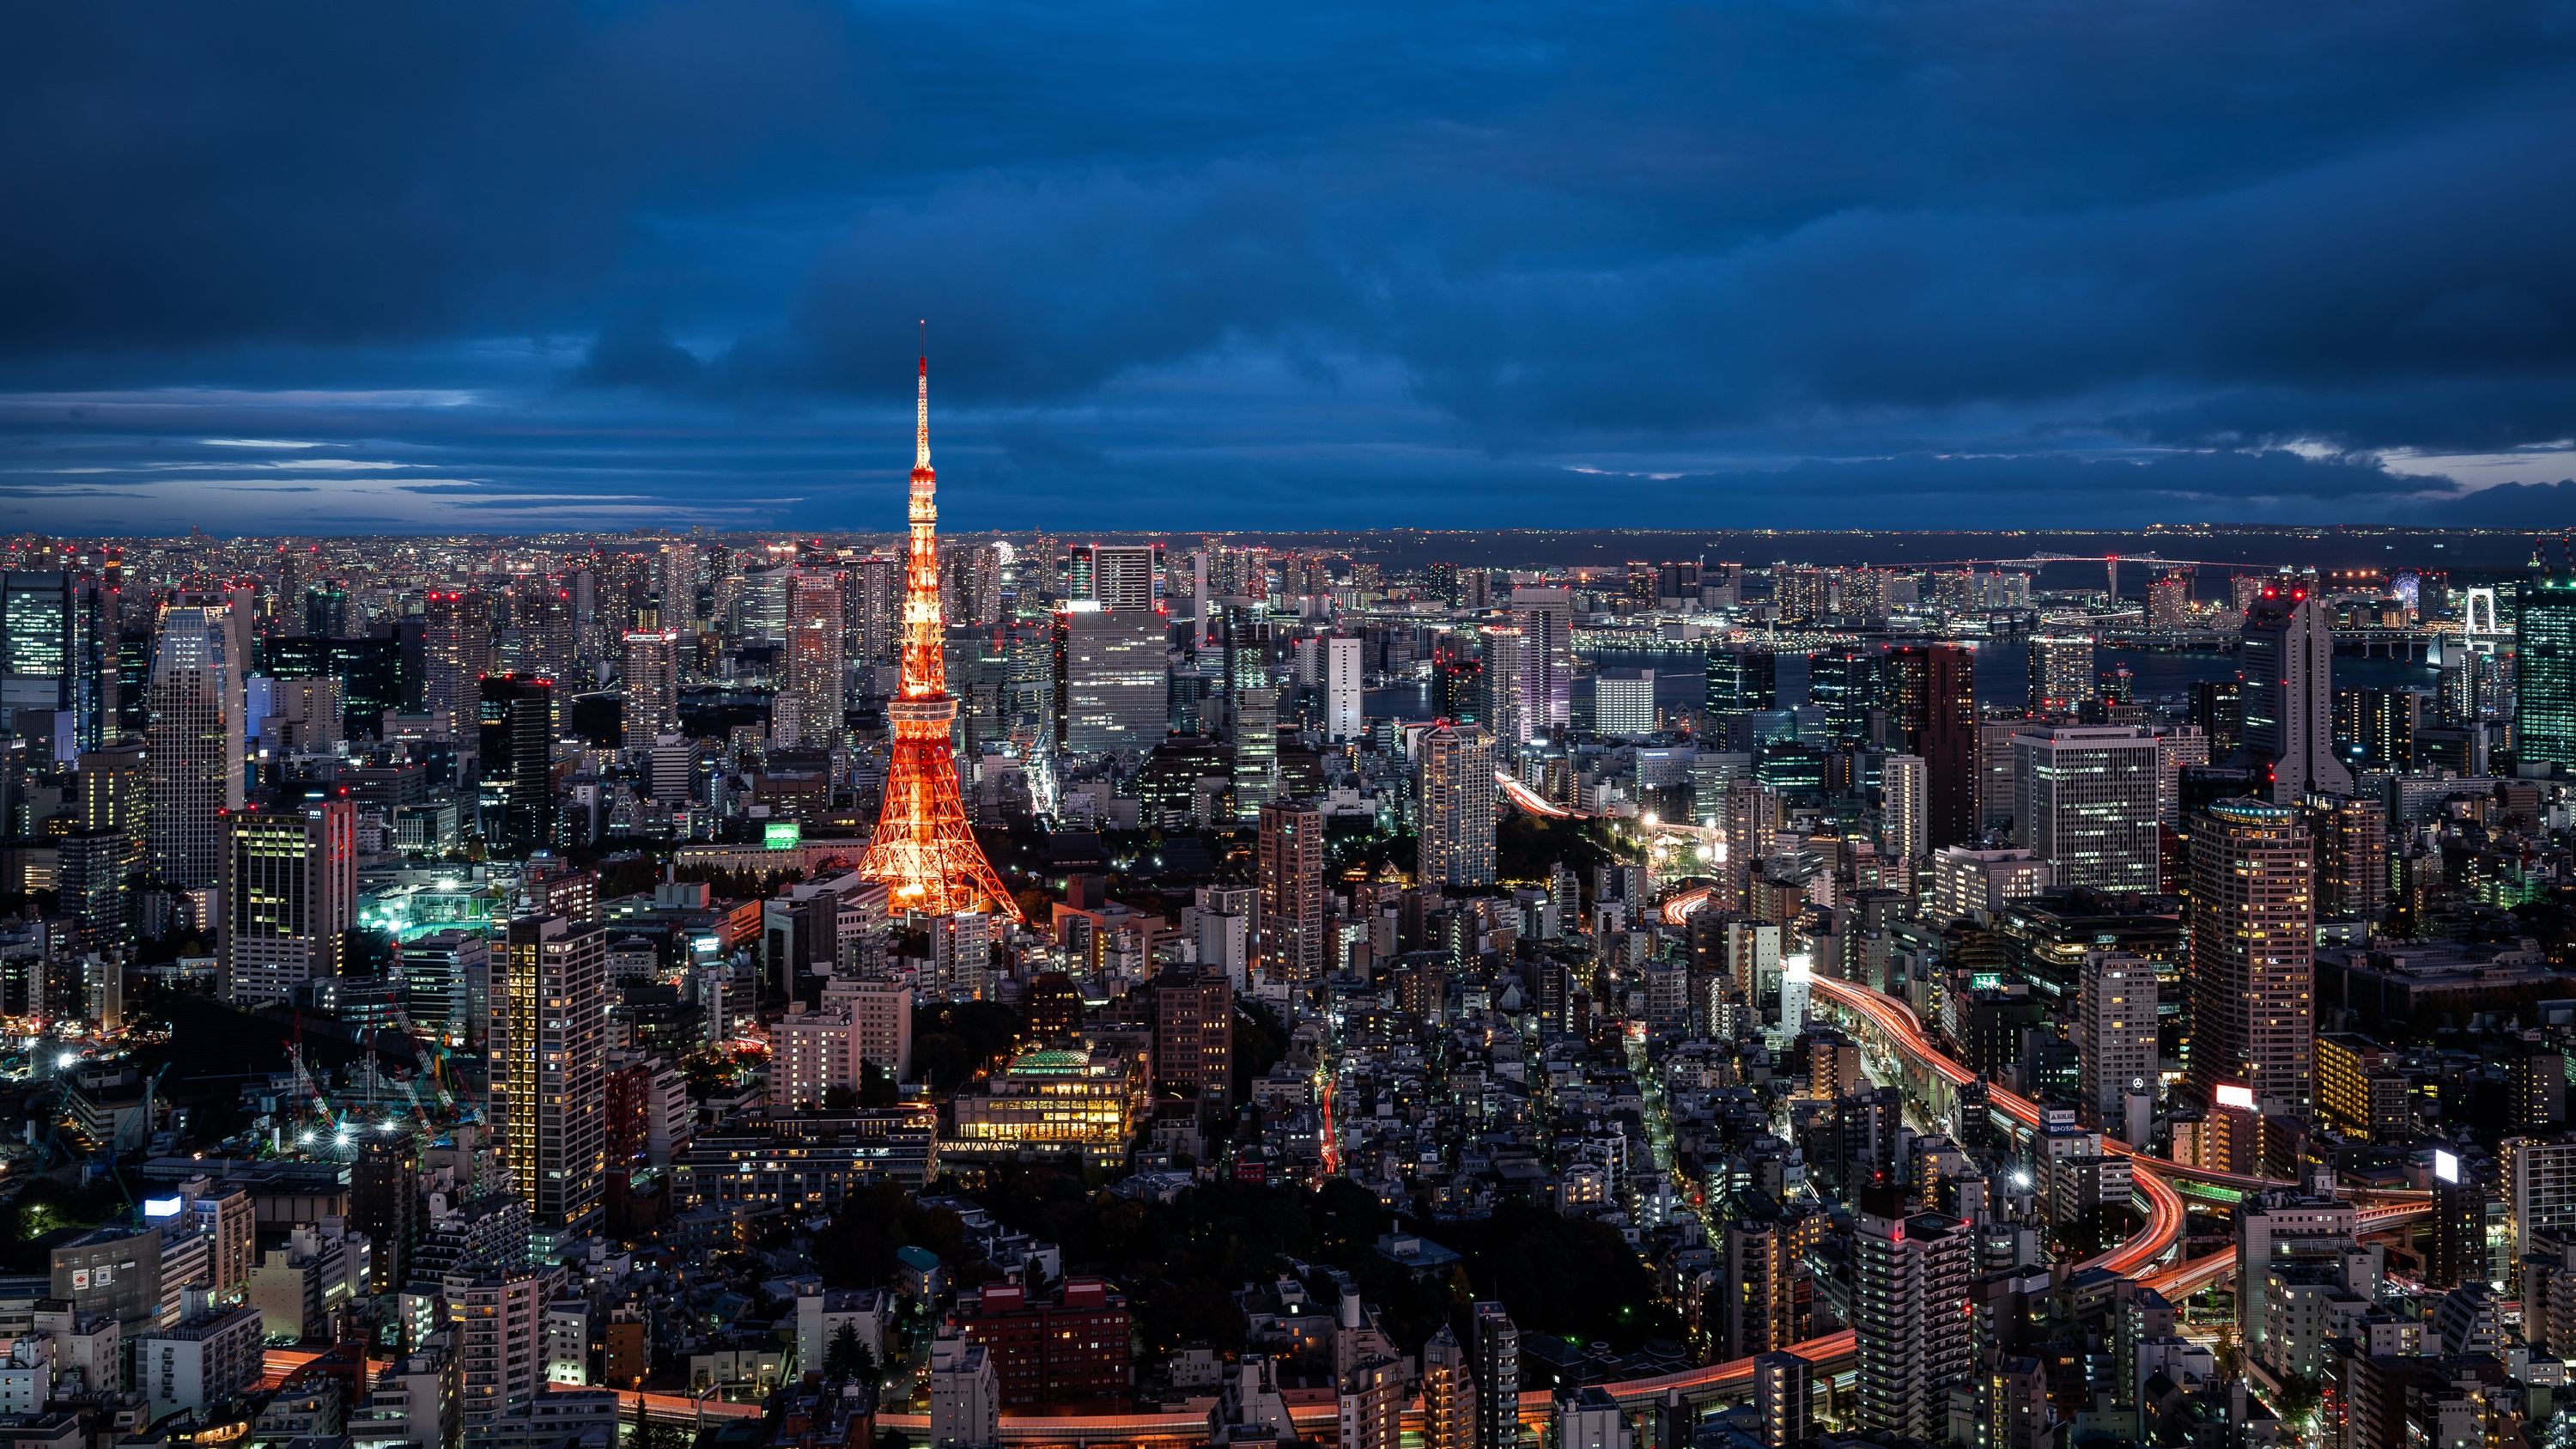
column 923, row 848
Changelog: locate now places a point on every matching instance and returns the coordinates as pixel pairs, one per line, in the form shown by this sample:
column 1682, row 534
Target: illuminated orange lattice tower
column 923, row 849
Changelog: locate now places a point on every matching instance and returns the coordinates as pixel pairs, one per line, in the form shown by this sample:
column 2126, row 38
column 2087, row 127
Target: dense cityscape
column 880, row 991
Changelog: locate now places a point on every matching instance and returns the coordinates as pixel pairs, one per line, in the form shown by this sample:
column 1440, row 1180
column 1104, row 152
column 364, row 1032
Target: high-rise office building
column 817, row 676
column 56, row 629
column 1546, row 620
column 290, row 892
column 447, row 986
column 1910, row 1313
column 652, row 675
column 2061, row 671
column 517, row 760
column 1113, row 686
column 1501, row 704
column 2544, row 700
column 875, row 614
column 1844, row 684
column 1117, row 576
column 1931, row 700
column 92, row 869
column 1498, row 1377
column 195, row 742
column 1289, row 926
column 2253, row 954
column 1341, row 687
column 1623, row 702
column 1742, row 680
column 1194, row 1037
column 116, row 789
column 2538, row 1178
column 549, row 1013
column 456, row 650
column 1905, row 820
column 1457, row 801
column 2289, row 693
column 1256, row 750
column 2115, row 1044
column 2085, row 799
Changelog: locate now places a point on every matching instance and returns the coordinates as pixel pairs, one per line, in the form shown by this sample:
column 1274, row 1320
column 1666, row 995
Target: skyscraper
column 194, row 743
column 2289, row 693
column 1546, row 618
column 1457, row 826
column 2061, row 671
column 1341, row 687
column 2115, row 1042
column 50, row 651
column 1289, row 925
column 456, row 650
column 1502, row 708
column 2544, row 701
column 2085, row 799
column 1256, row 750
column 1741, row 680
column 923, row 848
column 816, row 676
column 1844, row 684
column 1931, row 700
column 652, row 675
column 92, row 868
column 516, row 759
column 1114, row 687
column 1910, row 1312
column 290, row 891
column 2253, row 954
column 1115, row 575
column 549, row 1011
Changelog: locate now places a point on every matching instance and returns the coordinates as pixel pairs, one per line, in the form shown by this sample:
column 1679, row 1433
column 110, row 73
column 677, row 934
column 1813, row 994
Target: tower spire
column 921, row 423
column 923, row 848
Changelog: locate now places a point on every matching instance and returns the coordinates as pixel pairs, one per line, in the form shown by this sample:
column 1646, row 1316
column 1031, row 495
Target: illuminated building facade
column 2253, row 953
column 290, row 893
column 923, row 848
column 1054, row 1098
column 550, row 1012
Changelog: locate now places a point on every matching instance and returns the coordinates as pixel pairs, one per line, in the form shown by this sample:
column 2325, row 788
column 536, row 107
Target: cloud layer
column 1816, row 264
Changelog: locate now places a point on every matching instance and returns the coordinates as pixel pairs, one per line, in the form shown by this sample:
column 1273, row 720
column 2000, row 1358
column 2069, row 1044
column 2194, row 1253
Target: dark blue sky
column 507, row 264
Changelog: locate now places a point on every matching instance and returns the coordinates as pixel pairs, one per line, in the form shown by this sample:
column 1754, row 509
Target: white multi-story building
column 965, row 1398
column 880, row 1015
column 2085, row 799
column 1341, row 687
column 1905, row 811
column 206, row 1358
column 810, row 1053
column 1965, row 882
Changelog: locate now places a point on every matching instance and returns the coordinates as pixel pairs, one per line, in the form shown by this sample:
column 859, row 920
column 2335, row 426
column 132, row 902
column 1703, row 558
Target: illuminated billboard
column 781, row 835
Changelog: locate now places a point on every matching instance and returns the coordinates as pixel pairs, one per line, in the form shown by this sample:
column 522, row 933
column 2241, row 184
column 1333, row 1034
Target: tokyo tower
column 923, row 849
